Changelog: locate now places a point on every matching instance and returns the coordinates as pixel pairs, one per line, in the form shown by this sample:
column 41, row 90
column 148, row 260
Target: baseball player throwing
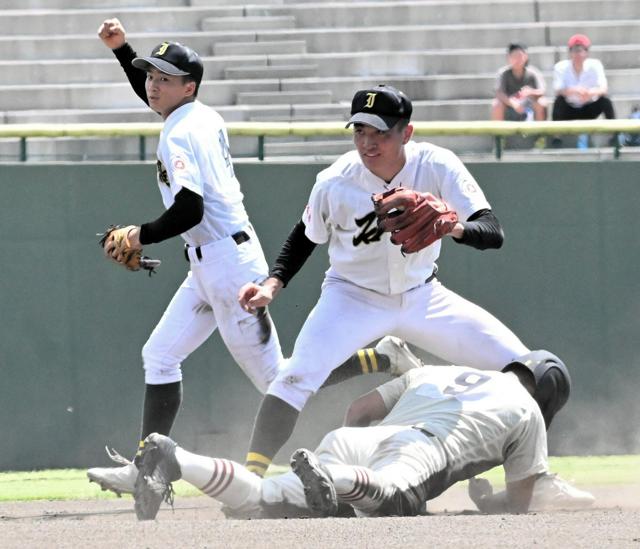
column 205, row 207
column 438, row 425
column 372, row 286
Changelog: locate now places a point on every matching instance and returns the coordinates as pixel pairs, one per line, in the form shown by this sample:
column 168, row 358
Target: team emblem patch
column 178, row 163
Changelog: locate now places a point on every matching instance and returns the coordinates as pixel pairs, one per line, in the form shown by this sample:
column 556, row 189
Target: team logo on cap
column 162, row 49
column 371, row 99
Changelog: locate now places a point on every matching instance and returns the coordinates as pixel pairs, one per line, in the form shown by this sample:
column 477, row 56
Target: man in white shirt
column 580, row 84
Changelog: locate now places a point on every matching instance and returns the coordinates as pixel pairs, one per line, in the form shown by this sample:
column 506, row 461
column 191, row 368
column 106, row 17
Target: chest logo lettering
column 370, row 231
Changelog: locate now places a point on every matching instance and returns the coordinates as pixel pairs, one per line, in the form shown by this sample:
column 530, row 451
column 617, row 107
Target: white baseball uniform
column 371, row 289
column 444, row 424
column 193, row 153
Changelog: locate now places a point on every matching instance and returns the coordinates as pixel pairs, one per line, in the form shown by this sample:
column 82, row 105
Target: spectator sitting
column 519, row 89
column 580, row 85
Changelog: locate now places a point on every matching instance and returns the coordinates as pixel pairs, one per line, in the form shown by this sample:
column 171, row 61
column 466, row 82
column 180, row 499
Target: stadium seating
column 296, row 60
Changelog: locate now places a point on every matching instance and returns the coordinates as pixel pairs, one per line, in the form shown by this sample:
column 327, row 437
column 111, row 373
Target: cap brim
column 382, row 123
column 143, row 63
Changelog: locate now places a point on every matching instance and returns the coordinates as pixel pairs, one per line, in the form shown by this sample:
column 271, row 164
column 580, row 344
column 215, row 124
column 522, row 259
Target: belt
column 433, row 275
column 239, row 238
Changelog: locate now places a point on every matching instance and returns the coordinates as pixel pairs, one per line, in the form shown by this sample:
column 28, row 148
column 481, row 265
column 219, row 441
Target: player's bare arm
column 253, row 296
column 515, row 499
column 112, row 33
column 364, row 410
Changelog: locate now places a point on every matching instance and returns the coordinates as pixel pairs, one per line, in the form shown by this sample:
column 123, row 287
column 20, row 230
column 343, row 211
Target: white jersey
column 483, row 418
column 187, row 158
column 591, row 76
column 340, row 211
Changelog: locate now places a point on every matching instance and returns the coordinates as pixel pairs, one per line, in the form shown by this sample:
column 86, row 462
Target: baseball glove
column 116, row 245
column 415, row 220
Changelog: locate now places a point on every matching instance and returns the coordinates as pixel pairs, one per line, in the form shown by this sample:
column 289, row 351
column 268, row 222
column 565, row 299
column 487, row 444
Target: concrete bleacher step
column 260, row 48
column 85, row 4
column 120, row 95
column 271, row 71
column 42, row 149
column 341, row 145
column 248, row 23
column 402, row 12
column 227, row 2
column 284, row 97
column 416, row 63
column 398, row 38
column 449, row 61
column 305, row 148
column 139, row 19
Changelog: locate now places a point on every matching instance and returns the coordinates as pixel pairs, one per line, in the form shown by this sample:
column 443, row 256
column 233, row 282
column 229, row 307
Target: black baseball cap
column 172, row 58
column 381, row 107
column 516, row 46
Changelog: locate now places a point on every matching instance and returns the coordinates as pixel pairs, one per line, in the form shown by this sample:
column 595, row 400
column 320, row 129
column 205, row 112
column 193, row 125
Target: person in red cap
column 580, row 85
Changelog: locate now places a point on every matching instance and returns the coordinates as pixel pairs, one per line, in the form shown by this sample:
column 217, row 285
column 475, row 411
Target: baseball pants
column 208, row 300
column 348, row 317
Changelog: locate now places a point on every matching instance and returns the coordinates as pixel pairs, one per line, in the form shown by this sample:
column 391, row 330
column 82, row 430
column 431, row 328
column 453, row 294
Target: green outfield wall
column 73, row 324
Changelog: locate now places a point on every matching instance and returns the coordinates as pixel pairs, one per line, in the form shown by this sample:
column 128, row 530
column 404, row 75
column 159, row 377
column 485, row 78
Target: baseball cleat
column 120, row 480
column 401, row 358
column 319, row 490
column 158, row 469
column 550, row 493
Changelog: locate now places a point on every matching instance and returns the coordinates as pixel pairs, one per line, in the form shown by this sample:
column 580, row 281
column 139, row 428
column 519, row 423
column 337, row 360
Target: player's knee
column 156, row 370
column 290, row 389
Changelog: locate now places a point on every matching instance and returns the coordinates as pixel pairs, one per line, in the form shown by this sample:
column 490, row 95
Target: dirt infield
column 198, row 522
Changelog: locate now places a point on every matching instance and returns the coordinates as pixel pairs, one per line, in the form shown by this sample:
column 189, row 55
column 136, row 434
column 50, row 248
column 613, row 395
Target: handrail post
column 142, row 147
column 23, row 149
column 498, row 147
column 261, row 147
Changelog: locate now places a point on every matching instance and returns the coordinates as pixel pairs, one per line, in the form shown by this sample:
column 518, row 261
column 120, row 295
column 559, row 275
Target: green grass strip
column 62, row 484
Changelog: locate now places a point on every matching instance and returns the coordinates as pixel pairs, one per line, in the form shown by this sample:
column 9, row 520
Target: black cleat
column 158, row 468
column 319, row 490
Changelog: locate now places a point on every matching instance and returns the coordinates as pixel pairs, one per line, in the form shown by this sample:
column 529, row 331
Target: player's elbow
column 356, row 415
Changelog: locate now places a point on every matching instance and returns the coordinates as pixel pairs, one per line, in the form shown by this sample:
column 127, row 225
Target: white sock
column 221, row 479
column 360, row 487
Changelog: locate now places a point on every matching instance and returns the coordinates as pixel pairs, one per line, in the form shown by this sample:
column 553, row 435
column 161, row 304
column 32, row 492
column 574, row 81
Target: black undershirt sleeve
column 295, row 251
column 186, row 212
column 125, row 54
column 482, row 231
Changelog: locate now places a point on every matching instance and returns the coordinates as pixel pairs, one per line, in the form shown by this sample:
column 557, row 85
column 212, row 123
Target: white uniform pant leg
column 347, row 445
column 252, row 341
column 382, row 470
column 445, row 324
column 186, row 323
column 345, row 319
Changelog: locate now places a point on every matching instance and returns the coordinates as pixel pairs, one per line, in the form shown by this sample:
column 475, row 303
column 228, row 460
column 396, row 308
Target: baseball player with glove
column 384, row 210
column 438, row 425
column 205, row 207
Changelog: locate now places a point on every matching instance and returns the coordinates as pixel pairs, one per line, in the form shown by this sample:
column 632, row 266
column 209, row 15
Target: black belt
column 433, row 275
column 239, row 238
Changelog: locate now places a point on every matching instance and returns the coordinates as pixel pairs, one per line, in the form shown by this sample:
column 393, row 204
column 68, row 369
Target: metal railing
column 497, row 130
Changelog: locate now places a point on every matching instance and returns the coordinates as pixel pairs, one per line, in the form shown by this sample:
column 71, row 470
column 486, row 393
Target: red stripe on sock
column 223, row 474
column 360, row 487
